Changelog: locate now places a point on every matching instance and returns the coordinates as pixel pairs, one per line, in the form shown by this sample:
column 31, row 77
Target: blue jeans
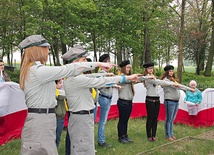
column 171, row 109
column 59, row 128
column 105, row 104
column 95, row 112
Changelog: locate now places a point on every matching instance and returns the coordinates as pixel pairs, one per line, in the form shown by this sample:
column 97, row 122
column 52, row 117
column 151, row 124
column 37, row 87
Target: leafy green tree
column 208, row 68
column 197, row 33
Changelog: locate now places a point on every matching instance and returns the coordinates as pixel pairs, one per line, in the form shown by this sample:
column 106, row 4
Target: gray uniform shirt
column 126, row 91
column 171, row 92
column 77, row 90
column 96, row 75
column 40, row 85
column 106, row 90
column 153, row 86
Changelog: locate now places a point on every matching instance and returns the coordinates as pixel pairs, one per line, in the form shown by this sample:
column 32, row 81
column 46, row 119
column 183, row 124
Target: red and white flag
column 13, row 111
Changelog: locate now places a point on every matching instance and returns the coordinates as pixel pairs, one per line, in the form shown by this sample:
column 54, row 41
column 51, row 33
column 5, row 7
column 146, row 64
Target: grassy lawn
column 140, row 146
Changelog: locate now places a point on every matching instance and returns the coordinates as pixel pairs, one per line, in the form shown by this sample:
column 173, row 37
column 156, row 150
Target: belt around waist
column 41, row 110
column 84, row 112
column 109, row 97
column 171, row 100
column 125, row 100
column 152, row 99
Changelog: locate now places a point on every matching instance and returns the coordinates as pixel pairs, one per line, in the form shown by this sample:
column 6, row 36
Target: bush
column 202, row 81
column 14, row 76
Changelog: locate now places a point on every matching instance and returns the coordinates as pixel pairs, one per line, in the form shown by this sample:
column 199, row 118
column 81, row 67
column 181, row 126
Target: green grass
column 137, row 133
column 187, row 146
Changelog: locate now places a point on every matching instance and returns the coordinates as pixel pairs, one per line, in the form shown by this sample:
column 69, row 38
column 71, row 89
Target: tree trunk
column 23, row 21
column 56, row 52
column 11, row 55
column 135, row 63
column 159, row 59
column 94, row 45
column 180, row 45
column 168, row 55
column 2, row 53
column 198, row 60
column 201, row 65
column 63, row 47
column 200, row 47
column 8, row 57
column 147, row 54
column 208, row 68
column 119, row 55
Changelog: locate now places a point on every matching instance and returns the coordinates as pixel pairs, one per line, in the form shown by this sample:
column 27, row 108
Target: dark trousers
column 125, row 109
column 152, row 108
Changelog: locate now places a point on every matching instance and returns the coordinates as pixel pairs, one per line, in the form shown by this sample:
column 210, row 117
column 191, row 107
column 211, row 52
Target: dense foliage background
column 149, row 30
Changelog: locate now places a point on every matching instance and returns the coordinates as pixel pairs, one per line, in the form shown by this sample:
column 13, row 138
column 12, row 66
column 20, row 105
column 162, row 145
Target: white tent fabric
column 140, row 96
column 11, row 98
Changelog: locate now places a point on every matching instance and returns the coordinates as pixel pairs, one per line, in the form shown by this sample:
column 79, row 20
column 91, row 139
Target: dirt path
column 207, row 135
column 204, row 136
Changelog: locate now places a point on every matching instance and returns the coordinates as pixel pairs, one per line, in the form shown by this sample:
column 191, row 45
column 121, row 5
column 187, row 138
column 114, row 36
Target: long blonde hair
column 31, row 54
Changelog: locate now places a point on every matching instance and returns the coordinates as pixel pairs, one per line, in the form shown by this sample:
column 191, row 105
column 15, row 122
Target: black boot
column 129, row 140
column 123, row 140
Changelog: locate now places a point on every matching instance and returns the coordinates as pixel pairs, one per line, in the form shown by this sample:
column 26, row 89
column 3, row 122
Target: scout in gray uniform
column 96, row 92
column 124, row 104
column 81, row 104
column 152, row 98
column 104, row 100
column 38, row 83
column 171, row 98
column 152, row 101
column 94, row 75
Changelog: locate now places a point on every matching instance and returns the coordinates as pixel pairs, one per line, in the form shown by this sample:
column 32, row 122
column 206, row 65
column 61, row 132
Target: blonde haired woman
column 38, row 83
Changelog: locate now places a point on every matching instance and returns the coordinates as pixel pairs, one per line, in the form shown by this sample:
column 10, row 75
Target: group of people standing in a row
column 39, row 85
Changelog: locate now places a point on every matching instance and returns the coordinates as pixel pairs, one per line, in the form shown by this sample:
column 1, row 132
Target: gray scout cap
column 74, row 53
column 33, row 40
